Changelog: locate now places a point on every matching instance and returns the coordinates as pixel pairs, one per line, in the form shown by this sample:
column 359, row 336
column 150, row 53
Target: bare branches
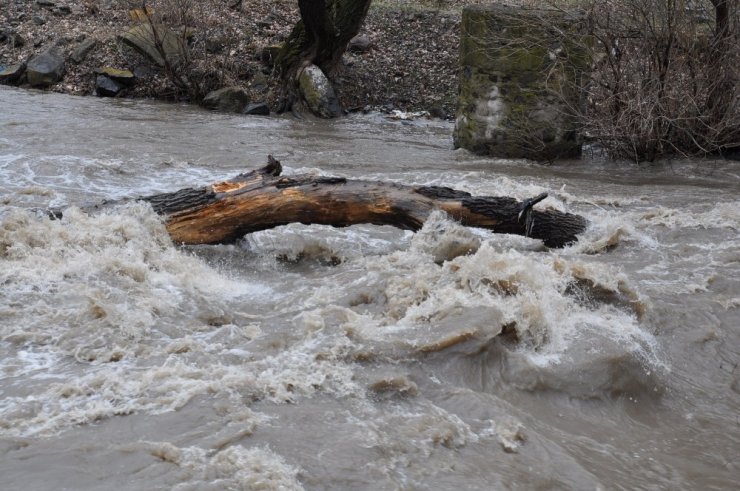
column 664, row 80
column 191, row 44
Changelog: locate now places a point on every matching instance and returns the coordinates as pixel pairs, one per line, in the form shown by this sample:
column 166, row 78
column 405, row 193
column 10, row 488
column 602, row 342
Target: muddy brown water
column 309, row 357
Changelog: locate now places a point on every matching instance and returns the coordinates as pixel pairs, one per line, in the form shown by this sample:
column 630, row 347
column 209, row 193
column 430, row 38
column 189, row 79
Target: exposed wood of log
column 224, row 212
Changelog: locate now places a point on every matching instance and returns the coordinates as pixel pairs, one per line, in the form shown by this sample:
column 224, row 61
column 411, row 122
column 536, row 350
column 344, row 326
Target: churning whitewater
column 307, row 357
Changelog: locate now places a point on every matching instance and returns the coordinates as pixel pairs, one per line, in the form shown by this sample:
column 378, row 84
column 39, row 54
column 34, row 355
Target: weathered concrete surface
column 521, row 72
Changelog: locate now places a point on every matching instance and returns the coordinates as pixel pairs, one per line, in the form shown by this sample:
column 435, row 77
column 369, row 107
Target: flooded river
column 366, row 358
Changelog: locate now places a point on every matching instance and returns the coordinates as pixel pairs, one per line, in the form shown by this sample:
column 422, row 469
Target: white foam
column 125, row 387
column 527, row 289
column 721, row 215
column 296, row 241
column 235, row 467
column 65, row 178
column 107, row 290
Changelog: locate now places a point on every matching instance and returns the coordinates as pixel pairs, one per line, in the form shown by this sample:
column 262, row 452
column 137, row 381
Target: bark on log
column 224, row 212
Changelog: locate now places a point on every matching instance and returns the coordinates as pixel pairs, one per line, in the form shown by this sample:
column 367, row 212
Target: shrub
column 204, row 64
column 665, row 77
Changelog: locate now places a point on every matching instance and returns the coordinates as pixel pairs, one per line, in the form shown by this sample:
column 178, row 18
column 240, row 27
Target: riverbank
column 407, row 57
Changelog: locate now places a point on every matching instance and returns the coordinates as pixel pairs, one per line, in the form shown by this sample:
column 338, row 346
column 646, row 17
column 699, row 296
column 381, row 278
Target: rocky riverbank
column 405, row 58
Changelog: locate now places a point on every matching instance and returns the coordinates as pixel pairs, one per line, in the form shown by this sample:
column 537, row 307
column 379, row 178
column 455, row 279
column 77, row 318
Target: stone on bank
column 12, row 74
column 47, row 68
column 257, row 109
column 110, row 82
column 106, row 87
column 318, row 93
column 123, row 77
column 83, row 49
column 520, row 78
column 10, row 36
column 228, row 99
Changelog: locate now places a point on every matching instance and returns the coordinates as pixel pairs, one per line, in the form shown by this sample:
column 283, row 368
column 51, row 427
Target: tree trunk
column 224, row 212
column 320, row 37
column 721, row 20
column 720, row 101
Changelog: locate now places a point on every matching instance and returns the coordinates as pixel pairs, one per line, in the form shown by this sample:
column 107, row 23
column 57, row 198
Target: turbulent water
column 358, row 358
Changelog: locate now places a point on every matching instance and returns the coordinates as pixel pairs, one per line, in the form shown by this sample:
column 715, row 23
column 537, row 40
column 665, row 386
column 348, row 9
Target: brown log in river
column 225, row 211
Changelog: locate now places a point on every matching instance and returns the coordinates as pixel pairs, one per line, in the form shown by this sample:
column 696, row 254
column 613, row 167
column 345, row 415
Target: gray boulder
column 228, row 99
column 107, row 87
column 12, row 74
column 47, row 68
column 318, row 93
column 83, row 49
column 142, row 38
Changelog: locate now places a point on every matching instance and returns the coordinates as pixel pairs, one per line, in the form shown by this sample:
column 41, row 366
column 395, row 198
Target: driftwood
column 225, row 211
column 261, row 199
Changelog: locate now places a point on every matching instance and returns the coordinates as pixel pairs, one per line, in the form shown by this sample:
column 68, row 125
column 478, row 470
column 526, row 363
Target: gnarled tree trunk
column 224, row 212
column 320, row 37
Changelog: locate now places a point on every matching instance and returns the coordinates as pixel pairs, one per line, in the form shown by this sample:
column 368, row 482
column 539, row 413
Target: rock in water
column 318, row 93
column 47, row 68
column 229, row 99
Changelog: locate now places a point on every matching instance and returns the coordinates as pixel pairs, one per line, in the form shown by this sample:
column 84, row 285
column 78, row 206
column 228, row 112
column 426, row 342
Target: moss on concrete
column 518, row 78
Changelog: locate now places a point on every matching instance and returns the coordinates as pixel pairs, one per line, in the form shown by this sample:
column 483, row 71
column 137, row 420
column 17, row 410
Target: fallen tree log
column 225, row 211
